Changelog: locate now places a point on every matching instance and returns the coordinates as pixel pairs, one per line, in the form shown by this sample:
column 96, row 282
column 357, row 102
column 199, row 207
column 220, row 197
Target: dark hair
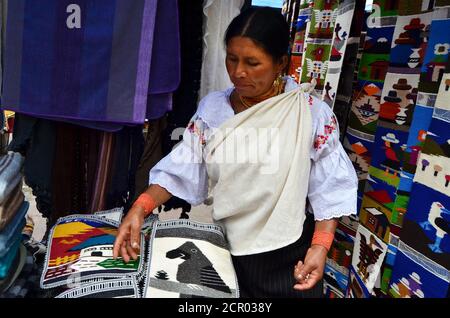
column 265, row 26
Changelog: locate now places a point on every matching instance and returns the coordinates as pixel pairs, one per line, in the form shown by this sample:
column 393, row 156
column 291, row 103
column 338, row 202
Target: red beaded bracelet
column 146, row 202
column 323, row 238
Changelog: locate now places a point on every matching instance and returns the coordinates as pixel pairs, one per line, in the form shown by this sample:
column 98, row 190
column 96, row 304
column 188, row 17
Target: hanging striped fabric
column 79, row 59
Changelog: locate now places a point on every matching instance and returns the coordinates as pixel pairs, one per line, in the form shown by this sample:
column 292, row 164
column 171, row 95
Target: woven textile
column 80, row 249
column 111, row 288
column 27, row 282
column 87, row 61
column 113, row 215
column 11, row 205
column 419, row 52
column 10, row 176
column 14, row 229
column 8, row 259
column 15, row 270
column 189, row 259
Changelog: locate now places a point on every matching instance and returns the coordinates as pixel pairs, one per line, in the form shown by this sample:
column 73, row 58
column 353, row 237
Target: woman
column 278, row 246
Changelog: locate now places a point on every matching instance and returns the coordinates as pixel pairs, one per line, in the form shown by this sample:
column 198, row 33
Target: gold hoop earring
column 277, row 83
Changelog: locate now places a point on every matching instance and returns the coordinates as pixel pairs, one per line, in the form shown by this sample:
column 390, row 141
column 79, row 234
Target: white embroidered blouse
column 332, row 183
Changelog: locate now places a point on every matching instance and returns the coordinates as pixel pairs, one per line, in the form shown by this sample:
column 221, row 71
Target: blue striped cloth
column 79, row 60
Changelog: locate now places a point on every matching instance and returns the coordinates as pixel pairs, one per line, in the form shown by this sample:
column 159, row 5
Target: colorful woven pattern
column 80, row 249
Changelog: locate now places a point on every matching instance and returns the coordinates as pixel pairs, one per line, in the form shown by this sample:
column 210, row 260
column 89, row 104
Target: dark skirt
column 271, row 274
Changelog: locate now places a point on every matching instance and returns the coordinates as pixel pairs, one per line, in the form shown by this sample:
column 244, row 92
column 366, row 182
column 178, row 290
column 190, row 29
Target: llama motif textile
column 189, row 259
column 79, row 59
column 81, row 249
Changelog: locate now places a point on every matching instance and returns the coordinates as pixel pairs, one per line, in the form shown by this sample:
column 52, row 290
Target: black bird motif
column 196, row 268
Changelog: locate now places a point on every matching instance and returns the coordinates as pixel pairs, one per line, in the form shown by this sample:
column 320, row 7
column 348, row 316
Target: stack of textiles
column 13, row 209
column 179, row 258
column 24, row 283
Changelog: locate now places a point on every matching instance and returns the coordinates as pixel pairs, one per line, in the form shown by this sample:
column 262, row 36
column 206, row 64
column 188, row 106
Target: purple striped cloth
column 165, row 69
column 83, row 60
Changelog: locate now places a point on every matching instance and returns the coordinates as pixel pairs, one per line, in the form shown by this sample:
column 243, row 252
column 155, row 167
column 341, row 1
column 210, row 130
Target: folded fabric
column 11, row 206
column 87, row 61
column 13, row 229
column 10, row 176
column 7, row 260
column 159, row 105
column 113, row 214
column 80, row 250
column 28, row 280
column 15, row 269
column 189, row 259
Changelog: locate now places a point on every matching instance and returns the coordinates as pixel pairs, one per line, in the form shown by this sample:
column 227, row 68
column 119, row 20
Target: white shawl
column 258, row 164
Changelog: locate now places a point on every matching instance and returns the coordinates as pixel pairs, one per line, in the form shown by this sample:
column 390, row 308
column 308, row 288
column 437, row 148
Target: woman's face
column 250, row 68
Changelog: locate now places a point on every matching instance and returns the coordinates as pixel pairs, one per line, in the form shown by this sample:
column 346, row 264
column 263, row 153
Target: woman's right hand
column 127, row 243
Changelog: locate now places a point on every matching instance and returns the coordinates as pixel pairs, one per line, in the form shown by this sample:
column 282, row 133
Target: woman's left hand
column 310, row 272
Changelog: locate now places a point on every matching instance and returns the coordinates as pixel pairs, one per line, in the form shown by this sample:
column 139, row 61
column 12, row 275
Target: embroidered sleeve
column 333, row 183
column 183, row 171
column 197, row 128
column 326, row 131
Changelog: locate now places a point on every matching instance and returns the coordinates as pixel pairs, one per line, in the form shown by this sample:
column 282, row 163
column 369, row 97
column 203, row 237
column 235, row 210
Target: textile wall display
column 339, row 258
column 318, row 48
column 345, row 13
column 414, row 278
column 400, row 95
column 350, row 66
column 410, row 74
column 318, row 43
column 298, row 41
column 189, row 259
column 358, row 113
column 338, row 263
column 424, row 239
column 365, row 107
